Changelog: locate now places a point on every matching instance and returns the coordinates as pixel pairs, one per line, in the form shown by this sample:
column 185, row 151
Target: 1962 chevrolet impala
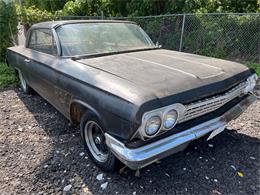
column 135, row 103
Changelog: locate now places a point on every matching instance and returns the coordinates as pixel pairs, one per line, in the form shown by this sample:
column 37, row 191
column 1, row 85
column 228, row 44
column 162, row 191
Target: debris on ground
column 240, row 174
column 137, row 173
column 67, row 188
column 233, row 167
column 100, row 177
column 104, row 185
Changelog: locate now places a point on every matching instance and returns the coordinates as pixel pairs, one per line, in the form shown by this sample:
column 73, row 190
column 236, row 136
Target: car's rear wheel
column 25, row 87
column 94, row 141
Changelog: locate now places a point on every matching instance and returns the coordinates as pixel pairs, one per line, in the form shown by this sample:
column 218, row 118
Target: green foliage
column 8, row 27
column 44, row 9
column 165, row 30
column 256, row 67
column 83, row 8
column 142, row 7
column 48, row 5
column 223, row 36
column 159, row 7
column 7, row 76
column 32, row 15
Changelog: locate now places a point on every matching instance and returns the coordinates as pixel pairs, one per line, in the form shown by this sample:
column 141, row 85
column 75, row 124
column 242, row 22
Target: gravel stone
column 100, row 177
column 104, row 185
column 23, row 155
column 67, row 188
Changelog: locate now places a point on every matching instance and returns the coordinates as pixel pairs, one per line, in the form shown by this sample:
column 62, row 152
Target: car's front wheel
column 25, row 87
column 94, row 141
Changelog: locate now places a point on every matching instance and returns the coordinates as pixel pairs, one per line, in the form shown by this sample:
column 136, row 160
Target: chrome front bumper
column 137, row 158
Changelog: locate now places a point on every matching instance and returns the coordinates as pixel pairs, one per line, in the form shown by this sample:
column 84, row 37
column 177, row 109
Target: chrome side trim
column 136, row 158
column 57, row 40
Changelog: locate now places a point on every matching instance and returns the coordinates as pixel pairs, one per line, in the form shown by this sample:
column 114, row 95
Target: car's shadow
column 230, row 163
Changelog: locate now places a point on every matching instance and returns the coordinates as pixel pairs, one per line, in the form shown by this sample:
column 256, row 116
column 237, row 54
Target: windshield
column 98, row 38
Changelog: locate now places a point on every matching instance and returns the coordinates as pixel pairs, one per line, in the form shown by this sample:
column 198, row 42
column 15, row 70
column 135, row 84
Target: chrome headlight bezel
column 161, row 112
column 251, row 83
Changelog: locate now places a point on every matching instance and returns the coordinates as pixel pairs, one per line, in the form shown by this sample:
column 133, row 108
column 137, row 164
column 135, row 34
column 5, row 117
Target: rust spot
column 76, row 112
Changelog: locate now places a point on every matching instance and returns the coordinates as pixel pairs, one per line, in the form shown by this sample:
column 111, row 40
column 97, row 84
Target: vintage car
column 134, row 102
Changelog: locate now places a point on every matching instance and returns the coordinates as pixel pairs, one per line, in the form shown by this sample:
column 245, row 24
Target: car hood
column 164, row 72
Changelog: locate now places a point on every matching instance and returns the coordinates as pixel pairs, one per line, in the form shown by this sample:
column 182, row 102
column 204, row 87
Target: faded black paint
column 121, row 87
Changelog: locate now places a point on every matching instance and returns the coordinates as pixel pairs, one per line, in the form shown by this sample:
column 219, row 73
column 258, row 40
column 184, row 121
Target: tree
column 8, row 26
column 48, row 5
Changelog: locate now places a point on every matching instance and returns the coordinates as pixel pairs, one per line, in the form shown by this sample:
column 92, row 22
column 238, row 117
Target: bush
column 7, row 76
column 31, row 15
column 256, row 67
column 8, row 27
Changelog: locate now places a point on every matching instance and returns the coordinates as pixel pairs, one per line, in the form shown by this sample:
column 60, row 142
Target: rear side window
column 42, row 40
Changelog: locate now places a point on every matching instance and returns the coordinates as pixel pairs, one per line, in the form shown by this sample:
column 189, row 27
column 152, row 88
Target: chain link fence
column 227, row 36
column 232, row 36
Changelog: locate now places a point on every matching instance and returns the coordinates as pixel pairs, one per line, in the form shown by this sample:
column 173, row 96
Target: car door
column 42, row 65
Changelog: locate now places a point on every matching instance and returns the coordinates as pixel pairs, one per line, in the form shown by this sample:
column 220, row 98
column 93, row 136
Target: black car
column 135, row 102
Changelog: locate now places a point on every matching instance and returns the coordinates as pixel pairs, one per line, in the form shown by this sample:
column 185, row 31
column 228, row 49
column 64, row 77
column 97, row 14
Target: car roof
column 55, row 24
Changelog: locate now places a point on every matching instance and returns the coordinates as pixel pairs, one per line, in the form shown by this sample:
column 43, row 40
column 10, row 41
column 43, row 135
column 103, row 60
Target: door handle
column 27, row 60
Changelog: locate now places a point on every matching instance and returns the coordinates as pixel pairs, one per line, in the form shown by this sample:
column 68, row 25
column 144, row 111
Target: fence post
column 182, row 30
column 102, row 15
column 259, row 52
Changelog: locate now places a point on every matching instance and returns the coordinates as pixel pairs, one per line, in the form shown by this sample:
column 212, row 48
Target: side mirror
column 158, row 45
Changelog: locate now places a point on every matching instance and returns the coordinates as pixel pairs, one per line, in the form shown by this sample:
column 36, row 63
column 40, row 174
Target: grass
column 256, row 67
column 7, row 76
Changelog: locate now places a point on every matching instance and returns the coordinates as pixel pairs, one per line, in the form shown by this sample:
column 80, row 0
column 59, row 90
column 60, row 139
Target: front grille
column 211, row 104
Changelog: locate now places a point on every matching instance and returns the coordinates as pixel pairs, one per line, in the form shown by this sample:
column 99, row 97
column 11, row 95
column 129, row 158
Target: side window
column 42, row 40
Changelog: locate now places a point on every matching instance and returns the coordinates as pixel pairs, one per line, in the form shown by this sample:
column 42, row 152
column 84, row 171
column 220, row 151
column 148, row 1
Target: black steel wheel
column 94, row 141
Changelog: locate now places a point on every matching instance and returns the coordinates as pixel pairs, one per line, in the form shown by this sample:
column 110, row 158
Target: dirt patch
column 40, row 152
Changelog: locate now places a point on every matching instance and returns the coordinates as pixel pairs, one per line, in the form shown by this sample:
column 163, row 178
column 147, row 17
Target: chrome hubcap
column 96, row 141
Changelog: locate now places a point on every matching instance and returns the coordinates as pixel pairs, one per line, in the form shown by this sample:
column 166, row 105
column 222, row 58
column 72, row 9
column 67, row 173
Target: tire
column 92, row 133
column 25, row 87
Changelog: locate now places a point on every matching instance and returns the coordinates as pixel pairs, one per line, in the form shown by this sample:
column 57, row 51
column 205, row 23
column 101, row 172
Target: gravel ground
column 40, row 152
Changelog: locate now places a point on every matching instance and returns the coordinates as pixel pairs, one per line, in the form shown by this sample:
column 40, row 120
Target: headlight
column 160, row 120
column 170, row 119
column 153, row 125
